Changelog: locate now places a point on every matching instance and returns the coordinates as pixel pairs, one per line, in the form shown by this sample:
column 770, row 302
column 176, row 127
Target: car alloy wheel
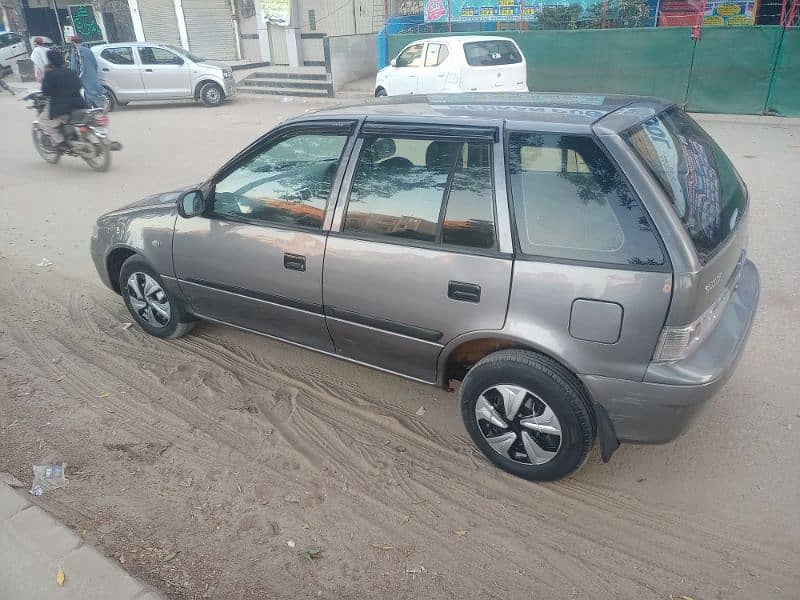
column 518, row 424
column 148, row 300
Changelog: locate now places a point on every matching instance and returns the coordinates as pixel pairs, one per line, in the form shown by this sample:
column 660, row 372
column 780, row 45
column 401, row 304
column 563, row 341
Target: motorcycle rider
column 63, row 89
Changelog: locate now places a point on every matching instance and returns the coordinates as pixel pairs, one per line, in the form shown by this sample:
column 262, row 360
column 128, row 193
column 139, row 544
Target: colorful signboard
column 723, row 12
column 491, row 10
column 84, row 22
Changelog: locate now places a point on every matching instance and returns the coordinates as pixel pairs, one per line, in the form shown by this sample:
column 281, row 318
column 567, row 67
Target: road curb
column 38, row 546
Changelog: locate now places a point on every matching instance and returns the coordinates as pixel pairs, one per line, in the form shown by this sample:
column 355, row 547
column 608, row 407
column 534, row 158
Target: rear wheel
column 44, row 146
column 100, row 158
column 110, row 99
column 211, row 94
column 527, row 414
column 149, row 303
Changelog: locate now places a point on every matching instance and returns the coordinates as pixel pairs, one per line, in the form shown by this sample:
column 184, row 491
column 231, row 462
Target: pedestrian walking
column 39, row 58
column 83, row 62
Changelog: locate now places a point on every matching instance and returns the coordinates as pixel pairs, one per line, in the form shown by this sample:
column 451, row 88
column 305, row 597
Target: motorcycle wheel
column 47, row 152
column 101, row 161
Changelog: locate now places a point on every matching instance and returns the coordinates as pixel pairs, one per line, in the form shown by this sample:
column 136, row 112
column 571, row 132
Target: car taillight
column 677, row 343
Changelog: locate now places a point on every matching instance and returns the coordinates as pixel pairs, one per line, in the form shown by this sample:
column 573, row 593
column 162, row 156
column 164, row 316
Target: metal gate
column 278, row 49
column 159, row 22
column 117, row 21
column 210, row 28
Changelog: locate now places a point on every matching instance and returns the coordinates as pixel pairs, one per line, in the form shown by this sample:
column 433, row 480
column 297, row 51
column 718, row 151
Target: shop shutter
column 159, row 22
column 210, row 28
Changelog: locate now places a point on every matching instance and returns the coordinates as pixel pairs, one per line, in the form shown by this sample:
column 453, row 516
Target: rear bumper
column 662, row 406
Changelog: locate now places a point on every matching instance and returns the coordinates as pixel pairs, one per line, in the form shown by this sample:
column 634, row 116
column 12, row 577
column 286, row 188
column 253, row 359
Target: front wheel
column 527, row 414
column 211, row 94
column 44, row 146
column 380, row 93
column 149, row 303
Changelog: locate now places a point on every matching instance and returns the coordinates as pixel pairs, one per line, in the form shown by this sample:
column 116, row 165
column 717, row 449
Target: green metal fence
column 744, row 70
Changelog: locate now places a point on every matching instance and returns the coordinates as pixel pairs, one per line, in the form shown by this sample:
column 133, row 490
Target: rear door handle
column 295, row 262
column 106, row 69
column 148, row 70
column 465, row 292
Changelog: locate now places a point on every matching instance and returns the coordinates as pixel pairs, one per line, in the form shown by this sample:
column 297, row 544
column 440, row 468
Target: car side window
column 435, row 55
column 288, row 183
column 5, row 40
column 118, row 56
column 14, row 39
column 411, row 56
column 158, row 56
column 399, row 188
column 571, row 202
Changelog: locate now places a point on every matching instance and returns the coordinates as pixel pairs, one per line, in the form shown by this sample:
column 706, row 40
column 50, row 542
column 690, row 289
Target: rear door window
column 435, row 55
column 572, row 203
column 703, row 186
column 492, row 53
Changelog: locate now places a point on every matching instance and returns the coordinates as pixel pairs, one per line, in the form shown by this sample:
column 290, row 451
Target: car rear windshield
column 705, row 190
column 492, row 53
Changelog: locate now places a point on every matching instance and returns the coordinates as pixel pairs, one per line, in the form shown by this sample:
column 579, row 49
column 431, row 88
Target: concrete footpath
column 34, row 546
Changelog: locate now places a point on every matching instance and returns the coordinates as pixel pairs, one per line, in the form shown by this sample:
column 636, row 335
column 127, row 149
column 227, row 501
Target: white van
column 473, row 63
column 12, row 48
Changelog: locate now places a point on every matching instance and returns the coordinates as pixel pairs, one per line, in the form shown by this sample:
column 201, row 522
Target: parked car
column 12, row 49
column 143, row 71
column 455, row 64
column 577, row 262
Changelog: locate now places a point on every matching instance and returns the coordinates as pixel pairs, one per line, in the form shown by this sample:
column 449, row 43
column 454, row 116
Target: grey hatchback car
column 576, row 262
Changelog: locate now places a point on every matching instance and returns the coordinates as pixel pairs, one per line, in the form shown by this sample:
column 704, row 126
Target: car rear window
column 492, row 53
column 703, row 186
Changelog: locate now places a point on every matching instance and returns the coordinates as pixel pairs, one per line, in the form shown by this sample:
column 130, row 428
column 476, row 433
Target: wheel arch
column 199, row 85
column 114, row 261
column 378, row 88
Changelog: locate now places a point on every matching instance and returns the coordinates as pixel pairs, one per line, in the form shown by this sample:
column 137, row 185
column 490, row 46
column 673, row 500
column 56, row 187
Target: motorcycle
column 86, row 135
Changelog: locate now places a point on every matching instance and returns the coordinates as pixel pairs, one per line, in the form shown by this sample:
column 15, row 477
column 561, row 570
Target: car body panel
column 12, row 49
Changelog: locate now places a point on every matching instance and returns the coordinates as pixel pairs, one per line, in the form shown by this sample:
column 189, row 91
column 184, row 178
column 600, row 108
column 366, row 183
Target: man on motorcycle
column 63, row 88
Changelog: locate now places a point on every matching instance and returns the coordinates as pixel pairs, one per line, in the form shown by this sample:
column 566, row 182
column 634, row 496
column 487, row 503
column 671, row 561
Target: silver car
column 578, row 263
column 141, row 71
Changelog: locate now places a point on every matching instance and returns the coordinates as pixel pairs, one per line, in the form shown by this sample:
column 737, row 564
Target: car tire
column 111, row 99
column 211, row 94
column 551, row 428
column 380, row 93
column 149, row 300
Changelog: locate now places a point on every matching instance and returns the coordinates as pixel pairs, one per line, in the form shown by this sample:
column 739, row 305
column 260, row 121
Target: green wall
column 729, row 70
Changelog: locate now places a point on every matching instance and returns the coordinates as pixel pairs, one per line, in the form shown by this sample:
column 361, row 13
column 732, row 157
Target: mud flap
column 605, row 431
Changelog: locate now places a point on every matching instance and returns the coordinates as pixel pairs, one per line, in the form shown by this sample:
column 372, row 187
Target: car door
column 12, row 48
column 255, row 258
column 402, row 77
column 165, row 74
column 433, row 74
column 120, row 71
column 412, row 259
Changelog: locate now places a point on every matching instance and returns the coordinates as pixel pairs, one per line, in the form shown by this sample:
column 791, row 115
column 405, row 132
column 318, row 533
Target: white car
column 12, row 48
column 455, row 64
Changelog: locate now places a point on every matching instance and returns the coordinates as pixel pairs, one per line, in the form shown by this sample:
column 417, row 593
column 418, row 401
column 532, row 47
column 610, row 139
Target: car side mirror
column 393, row 62
column 191, row 204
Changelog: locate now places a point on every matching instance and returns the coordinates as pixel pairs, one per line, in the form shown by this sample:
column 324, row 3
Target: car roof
column 134, row 44
column 572, row 111
column 462, row 39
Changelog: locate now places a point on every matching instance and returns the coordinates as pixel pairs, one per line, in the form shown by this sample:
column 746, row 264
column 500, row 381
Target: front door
column 413, row 259
column 164, row 73
column 255, row 259
column 403, row 75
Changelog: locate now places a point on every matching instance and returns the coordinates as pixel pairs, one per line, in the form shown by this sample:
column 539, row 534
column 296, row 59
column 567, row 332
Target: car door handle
column 106, row 69
column 465, row 292
column 295, row 262
column 148, row 70
column 440, row 74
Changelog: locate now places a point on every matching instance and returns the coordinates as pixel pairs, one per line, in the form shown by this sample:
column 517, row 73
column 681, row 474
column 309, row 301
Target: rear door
column 433, row 74
column 120, row 70
column 412, row 259
column 255, row 258
column 165, row 74
column 493, row 66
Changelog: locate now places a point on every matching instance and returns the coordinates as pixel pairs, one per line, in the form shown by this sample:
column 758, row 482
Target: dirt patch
column 211, row 472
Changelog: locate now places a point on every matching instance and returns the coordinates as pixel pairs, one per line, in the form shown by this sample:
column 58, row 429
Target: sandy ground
column 196, row 462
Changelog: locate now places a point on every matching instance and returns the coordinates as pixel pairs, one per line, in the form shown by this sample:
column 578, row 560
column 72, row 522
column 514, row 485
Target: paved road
column 728, row 490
